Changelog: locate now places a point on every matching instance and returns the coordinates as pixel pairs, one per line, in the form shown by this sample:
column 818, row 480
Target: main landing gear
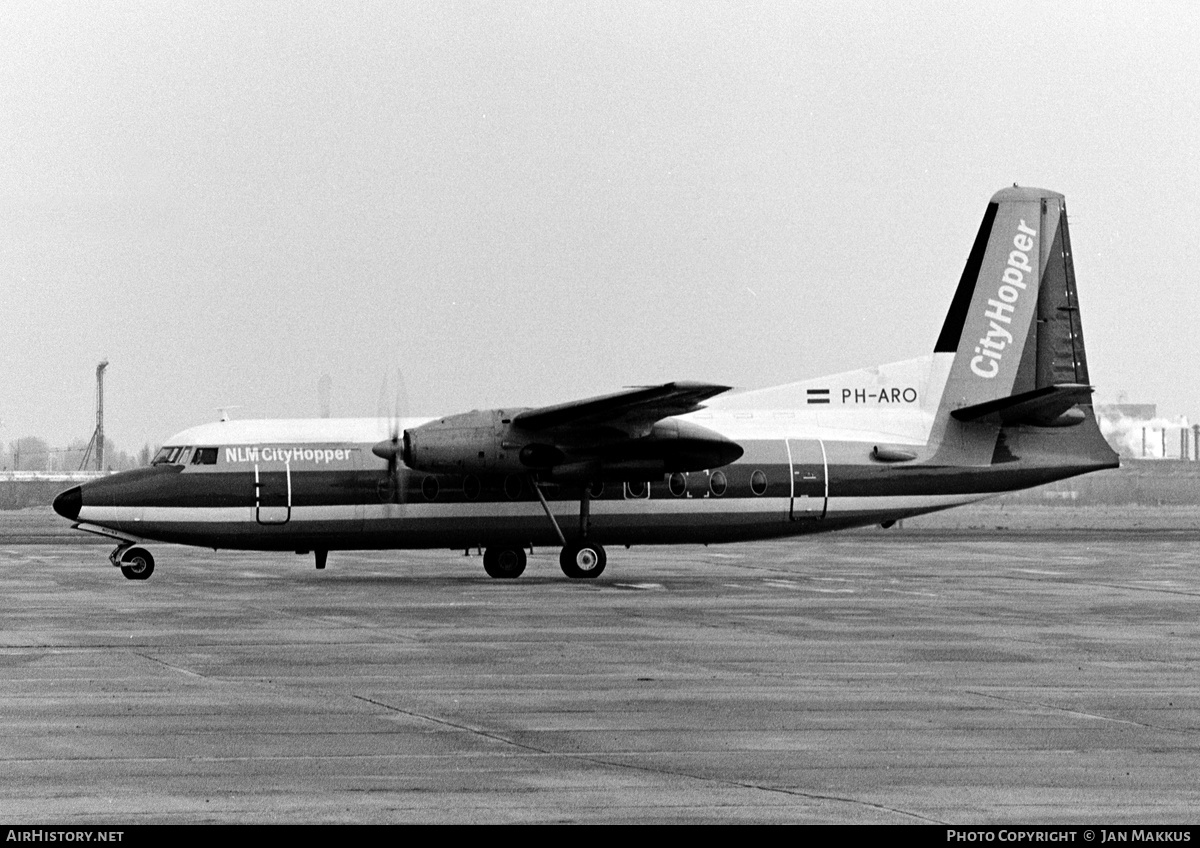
column 504, row 562
column 582, row 559
column 579, row 559
column 135, row 563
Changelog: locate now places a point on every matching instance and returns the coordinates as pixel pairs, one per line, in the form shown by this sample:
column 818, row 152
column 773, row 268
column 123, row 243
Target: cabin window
column 430, row 488
column 717, row 484
column 677, row 484
column 758, row 482
column 471, row 487
column 204, row 456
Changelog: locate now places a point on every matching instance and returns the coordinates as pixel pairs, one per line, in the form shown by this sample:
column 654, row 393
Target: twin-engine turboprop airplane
column 1003, row 403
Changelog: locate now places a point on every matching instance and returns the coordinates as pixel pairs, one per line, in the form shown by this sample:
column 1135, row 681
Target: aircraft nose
column 69, row 503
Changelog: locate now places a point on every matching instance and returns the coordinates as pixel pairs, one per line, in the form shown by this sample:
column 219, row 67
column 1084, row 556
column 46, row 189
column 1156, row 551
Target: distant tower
column 100, row 415
column 97, row 440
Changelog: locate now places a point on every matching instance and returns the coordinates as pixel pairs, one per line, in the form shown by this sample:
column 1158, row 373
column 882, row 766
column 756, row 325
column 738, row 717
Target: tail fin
column 1015, row 335
column 1014, row 324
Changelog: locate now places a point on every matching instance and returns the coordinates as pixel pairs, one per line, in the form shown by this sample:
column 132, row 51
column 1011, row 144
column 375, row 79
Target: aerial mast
column 97, row 440
column 100, row 414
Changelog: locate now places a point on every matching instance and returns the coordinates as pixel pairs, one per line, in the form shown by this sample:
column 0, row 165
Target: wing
column 633, row 411
column 627, row 435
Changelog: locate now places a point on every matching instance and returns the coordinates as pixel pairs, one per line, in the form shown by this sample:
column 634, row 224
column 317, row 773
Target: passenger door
column 810, row 479
column 272, row 493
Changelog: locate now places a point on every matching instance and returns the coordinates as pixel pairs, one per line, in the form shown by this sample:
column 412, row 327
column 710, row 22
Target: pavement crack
column 740, row 784
column 375, row 630
column 1081, row 713
column 172, row 666
column 446, row 723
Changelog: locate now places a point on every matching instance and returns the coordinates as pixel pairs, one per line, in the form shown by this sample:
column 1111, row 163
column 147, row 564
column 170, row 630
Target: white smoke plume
column 1128, row 436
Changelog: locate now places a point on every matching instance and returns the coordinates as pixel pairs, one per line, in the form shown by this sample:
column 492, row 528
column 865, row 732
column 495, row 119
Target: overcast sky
column 525, row 203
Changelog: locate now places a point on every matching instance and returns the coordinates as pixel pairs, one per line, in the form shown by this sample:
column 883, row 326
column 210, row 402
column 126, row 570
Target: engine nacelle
column 487, row 442
column 469, row 443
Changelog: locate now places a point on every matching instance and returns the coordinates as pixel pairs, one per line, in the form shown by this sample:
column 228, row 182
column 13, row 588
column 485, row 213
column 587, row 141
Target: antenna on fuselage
column 224, row 411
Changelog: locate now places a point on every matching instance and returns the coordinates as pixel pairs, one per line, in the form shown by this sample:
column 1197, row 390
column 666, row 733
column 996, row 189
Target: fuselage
column 860, row 448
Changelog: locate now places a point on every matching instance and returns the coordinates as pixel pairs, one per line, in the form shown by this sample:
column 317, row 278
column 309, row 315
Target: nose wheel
column 582, row 559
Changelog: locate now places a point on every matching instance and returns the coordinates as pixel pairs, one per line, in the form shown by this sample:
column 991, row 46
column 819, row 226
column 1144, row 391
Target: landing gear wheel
column 582, row 559
column 504, row 562
column 137, row 564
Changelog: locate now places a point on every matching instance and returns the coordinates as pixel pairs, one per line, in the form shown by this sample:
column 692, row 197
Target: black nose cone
column 68, row 503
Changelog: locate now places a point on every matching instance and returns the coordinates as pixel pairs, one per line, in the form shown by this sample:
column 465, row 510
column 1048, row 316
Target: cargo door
column 810, row 479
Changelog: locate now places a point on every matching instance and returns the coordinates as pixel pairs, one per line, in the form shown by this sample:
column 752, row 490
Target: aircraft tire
column 504, row 563
column 137, row 564
column 582, row 560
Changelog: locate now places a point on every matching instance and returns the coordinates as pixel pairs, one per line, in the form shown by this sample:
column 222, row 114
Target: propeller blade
column 391, row 448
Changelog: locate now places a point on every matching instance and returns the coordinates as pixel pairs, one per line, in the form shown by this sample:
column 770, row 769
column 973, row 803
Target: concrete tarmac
column 912, row 675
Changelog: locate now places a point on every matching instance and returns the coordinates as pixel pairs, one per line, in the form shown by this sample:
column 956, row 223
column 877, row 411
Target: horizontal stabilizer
column 1044, row 407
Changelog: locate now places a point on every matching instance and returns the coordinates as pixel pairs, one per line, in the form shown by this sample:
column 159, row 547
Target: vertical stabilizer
column 991, row 320
column 1013, row 326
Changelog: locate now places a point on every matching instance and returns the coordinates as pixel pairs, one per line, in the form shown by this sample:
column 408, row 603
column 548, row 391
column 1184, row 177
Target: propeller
column 392, row 448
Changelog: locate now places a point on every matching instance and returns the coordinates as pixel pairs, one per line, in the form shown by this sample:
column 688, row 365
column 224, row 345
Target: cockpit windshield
column 185, row 455
column 167, row 456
